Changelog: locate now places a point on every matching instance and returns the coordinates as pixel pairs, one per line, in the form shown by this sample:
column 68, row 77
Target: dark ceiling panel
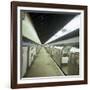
column 47, row 24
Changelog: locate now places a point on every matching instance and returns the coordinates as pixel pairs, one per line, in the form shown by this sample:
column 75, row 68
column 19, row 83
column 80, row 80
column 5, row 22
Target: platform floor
column 43, row 66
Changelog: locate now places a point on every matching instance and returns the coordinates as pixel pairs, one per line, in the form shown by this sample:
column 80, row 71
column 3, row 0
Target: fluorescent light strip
column 71, row 26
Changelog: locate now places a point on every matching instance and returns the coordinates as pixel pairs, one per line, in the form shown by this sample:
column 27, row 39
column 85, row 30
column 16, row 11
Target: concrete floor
column 43, row 66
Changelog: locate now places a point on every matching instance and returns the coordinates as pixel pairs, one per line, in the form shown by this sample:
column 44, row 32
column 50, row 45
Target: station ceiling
column 47, row 24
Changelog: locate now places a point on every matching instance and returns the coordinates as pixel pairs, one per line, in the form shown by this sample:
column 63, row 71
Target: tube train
column 65, row 56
